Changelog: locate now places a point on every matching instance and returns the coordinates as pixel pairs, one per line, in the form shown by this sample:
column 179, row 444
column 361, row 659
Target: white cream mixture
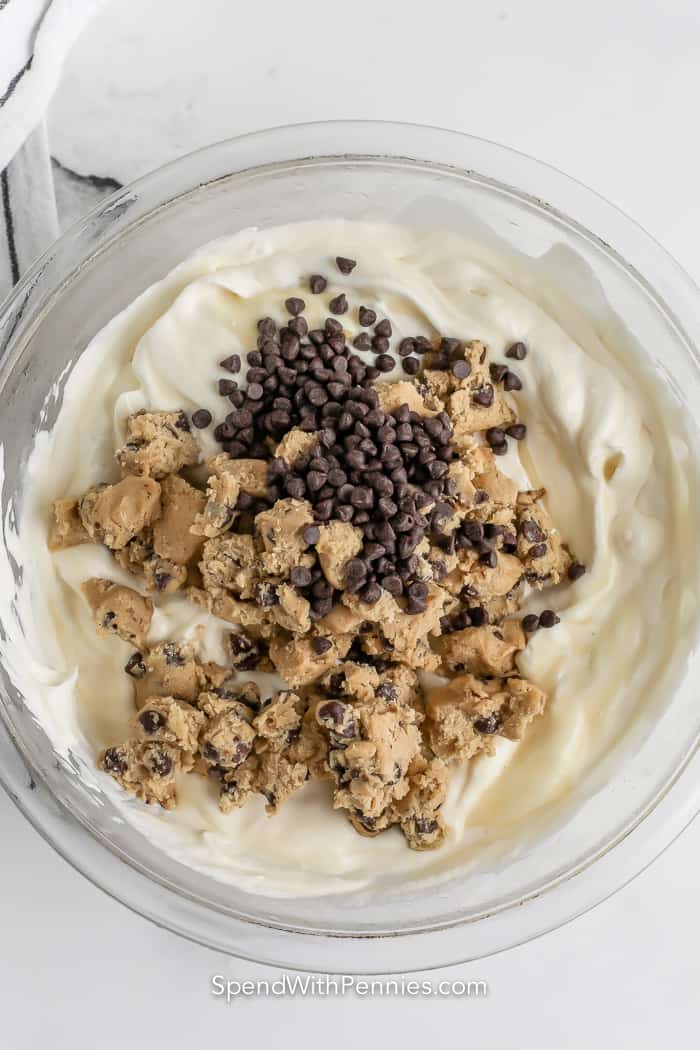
column 601, row 437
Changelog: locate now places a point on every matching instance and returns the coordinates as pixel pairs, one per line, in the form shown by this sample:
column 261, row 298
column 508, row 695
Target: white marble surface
column 607, row 92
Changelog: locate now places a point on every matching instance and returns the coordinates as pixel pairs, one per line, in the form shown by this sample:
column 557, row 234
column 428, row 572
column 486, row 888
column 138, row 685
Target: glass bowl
column 346, row 170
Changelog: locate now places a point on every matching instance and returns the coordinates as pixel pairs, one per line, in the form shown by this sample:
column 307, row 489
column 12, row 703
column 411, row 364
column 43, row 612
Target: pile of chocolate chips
column 292, row 377
column 362, row 471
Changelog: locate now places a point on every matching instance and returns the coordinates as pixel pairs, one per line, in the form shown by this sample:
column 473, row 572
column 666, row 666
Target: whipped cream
column 602, row 438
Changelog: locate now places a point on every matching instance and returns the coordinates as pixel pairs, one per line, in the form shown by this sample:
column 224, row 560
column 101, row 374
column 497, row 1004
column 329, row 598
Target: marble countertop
column 606, row 92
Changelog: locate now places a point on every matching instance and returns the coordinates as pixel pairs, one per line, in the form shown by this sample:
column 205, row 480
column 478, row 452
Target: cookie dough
column 157, row 444
column 115, row 514
column 119, row 610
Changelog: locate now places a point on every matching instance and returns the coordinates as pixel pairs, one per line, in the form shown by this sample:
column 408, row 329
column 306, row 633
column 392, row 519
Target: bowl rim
column 676, row 816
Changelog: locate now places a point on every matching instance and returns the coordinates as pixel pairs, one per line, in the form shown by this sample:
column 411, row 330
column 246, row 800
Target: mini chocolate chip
column 371, row 593
column 317, row 283
column 483, row 396
column 266, row 595
column 512, row 382
column 517, row 431
column 477, row 615
column 489, row 558
column 411, row 365
column 461, row 369
column 345, row 266
column 548, row 618
column 518, row 351
column 366, row 316
column 339, row 304
column 300, row 576
column 576, row 570
column 538, row 551
column 332, row 710
column 114, row 761
column 498, row 372
column 201, row 418
column 135, row 666
column 383, row 328
column 255, row 392
column 321, row 645
column 406, row 347
column 532, row 531
column 161, row 764
column 531, row 622
column 152, row 721
column 294, row 306
column 489, row 725
column 311, row 534
column 227, row 386
column 363, row 341
column 231, row 364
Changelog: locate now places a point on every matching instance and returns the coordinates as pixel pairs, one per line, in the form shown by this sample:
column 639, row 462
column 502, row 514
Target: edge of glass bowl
column 664, row 817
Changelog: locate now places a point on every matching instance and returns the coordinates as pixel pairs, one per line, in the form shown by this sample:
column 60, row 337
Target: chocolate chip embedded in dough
column 538, row 551
column 135, row 666
column 152, row 721
column 483, row 396
column 114, row 760
column 532, row 531
column 461, row 369
column 488, row 725
column 321, row 645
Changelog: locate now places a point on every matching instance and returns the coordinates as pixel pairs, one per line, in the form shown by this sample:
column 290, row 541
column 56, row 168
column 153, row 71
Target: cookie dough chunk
column 229, row 563
column 371, row 747
column 353, row 681
column 145, row 769
column 227, row 739
column 392, row 396
column 249, row 474
column 119, row 610
column 406, row 631
column 482, row 650
column 478, row 403
column 66, row 529
column 167, row 669
column 171, row 721
column 279, row 721
column 544, row 556
column 137, row 553
column 157, row 444
column 219, row 511
column 281, row 531
column 226, row 607
column 114, row 514
column 463, row 717
column 291, row 610
column 338, row 543
column 295, row 444
column 298, row 660
column 162, row 576
column 492, row 583
column 246, row 652
column 418, row 812
column 172, row 535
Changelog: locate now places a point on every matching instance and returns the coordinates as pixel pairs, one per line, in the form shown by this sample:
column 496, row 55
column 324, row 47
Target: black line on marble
column 98, row 182
column 9, row 227
column 15, row 80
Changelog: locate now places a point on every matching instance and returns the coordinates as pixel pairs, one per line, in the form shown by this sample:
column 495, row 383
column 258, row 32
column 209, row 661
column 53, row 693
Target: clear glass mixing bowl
column 370, row 171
